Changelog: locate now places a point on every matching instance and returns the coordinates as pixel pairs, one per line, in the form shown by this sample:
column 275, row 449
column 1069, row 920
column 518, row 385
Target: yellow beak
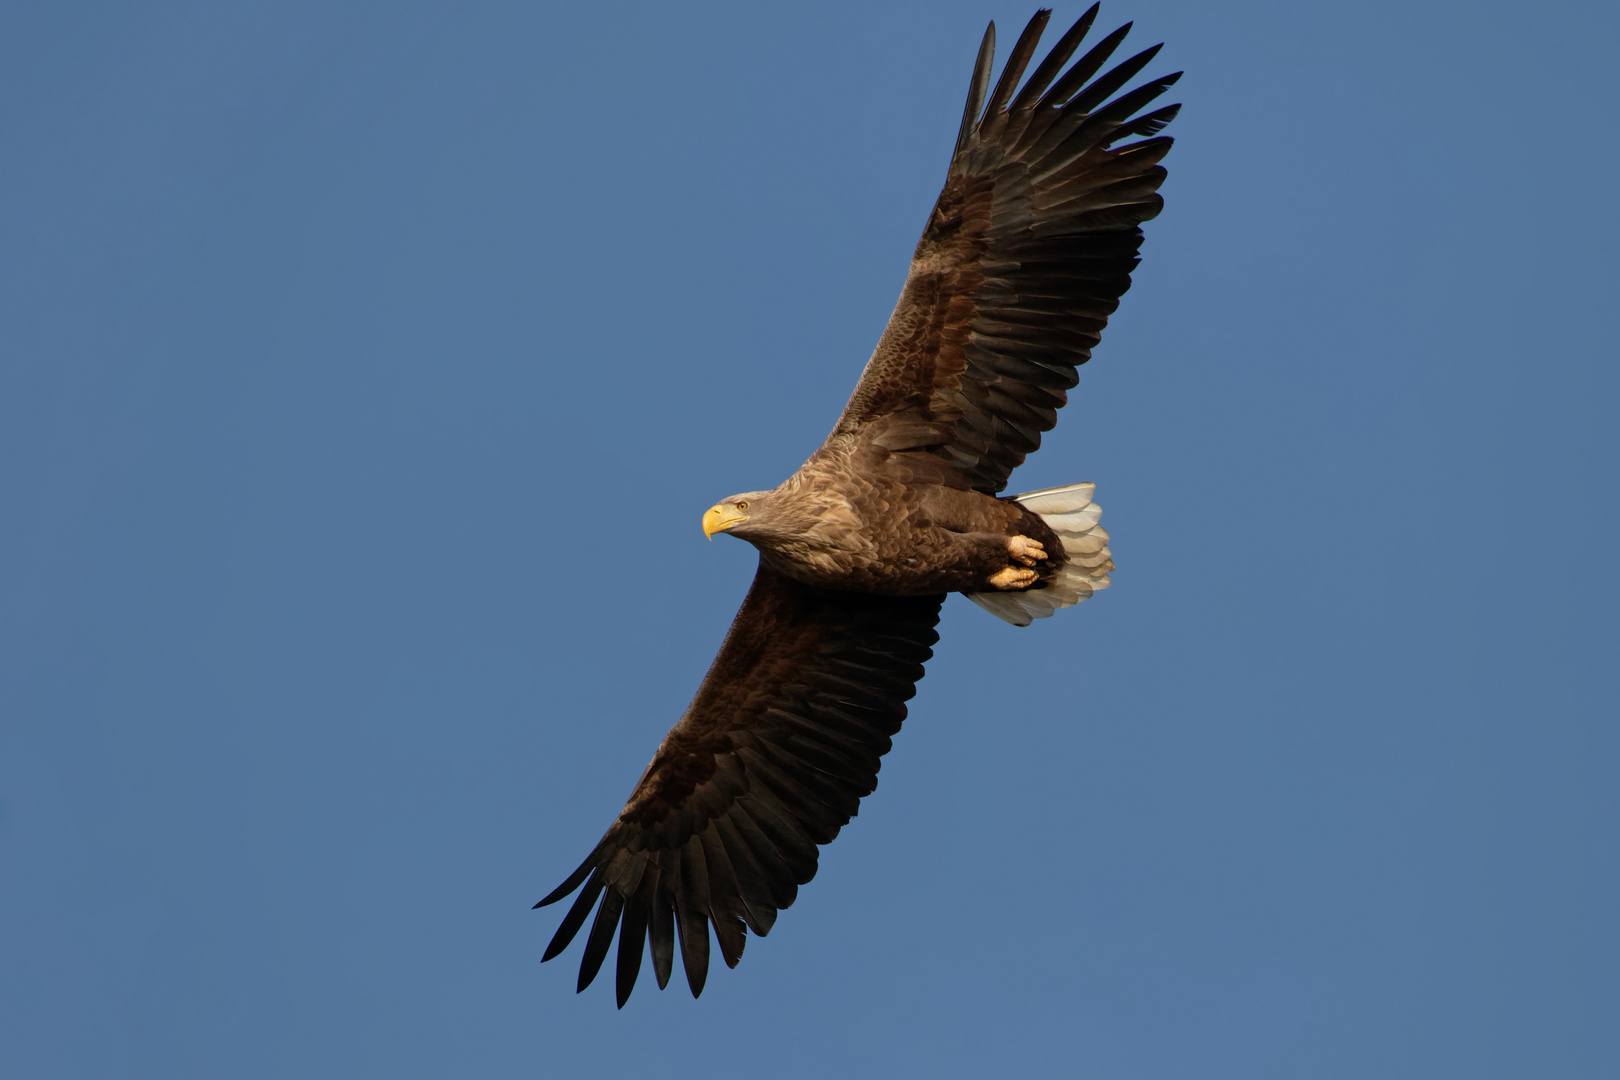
column 720, row 518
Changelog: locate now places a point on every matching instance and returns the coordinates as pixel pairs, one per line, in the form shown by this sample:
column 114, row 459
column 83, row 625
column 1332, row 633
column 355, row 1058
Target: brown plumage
column 1024, row 257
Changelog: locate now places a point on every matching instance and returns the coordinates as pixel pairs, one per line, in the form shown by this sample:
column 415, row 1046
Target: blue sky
column 364, row 371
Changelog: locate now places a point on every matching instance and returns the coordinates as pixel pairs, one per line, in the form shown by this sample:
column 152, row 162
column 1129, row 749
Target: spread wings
column 1024, row 257
column 772, row 758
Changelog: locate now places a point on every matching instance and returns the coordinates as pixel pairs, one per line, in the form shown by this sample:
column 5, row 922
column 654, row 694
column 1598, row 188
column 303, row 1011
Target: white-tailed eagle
column 1024, row 257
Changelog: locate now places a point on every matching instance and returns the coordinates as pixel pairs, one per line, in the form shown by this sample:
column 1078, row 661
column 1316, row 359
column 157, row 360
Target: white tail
column 1069, row 512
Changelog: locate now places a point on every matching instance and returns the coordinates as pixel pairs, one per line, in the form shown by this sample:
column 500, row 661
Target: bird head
column 736, row 514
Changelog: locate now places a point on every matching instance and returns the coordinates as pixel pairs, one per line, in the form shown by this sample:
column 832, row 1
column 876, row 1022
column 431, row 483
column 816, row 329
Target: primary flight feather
column 1027, row 252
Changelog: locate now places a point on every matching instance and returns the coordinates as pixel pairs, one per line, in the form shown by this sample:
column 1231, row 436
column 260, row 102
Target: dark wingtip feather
column 1104, row 88
column 1049, row 68
column 1018, row 60
column 632, row 938
column 573, row 920
column 596, row 946
column 1148, row 124
column 1123, row 108
column 978, row 87
column 575, row 880
column 661, row 939
column 694, row 936
column 1084, row 68
column 690, row 920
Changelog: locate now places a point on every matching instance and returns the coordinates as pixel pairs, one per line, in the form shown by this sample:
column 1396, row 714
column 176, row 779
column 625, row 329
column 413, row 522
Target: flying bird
column 1025, row 255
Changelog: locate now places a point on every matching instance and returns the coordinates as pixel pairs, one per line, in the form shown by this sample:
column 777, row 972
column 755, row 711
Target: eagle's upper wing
column 771, row 759
column 1025, row 256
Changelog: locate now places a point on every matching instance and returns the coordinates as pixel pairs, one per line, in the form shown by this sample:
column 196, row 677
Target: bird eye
column 743, row 505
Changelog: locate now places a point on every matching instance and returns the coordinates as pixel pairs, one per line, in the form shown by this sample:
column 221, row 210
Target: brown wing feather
column 775, row 753
column 1026, row 254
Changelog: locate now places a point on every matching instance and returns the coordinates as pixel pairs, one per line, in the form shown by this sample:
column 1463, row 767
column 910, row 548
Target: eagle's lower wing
column 1025, row 256
column 771, row 759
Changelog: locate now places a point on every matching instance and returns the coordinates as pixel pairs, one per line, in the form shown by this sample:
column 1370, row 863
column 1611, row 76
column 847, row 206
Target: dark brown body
column 861, row 517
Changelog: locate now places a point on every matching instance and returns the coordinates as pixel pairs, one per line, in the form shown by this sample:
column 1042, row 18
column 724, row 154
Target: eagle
column 1025, row 255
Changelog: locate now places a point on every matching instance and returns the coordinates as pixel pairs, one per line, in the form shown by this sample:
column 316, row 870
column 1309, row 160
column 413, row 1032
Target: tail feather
column 1069, row 512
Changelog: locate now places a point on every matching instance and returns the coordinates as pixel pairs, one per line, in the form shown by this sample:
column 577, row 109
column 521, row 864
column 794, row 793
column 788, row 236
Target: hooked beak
column 720, row 518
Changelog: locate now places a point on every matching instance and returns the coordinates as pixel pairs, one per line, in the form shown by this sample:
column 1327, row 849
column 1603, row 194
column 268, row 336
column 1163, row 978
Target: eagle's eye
column 743, row 504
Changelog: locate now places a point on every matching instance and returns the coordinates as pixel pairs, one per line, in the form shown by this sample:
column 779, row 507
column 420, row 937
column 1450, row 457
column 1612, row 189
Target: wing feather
column 575, row 917
column 1017, row 61
column 753, row 886
column 764, row 827
column 1024, row 258
column 692, row 913
column 977, row 87
column 601, row 936
column 661, row 924
column 632, row 933
column 1049, row 68
column 725, row 900
column 1084, row 68
column 782, row 741
column 779, row 870
column 1107, row 85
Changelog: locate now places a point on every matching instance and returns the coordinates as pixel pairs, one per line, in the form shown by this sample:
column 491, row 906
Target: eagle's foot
column 1013, row 577
column 1026, row 551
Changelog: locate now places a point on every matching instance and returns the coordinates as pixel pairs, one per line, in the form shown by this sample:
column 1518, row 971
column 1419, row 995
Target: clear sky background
column 365, row 369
